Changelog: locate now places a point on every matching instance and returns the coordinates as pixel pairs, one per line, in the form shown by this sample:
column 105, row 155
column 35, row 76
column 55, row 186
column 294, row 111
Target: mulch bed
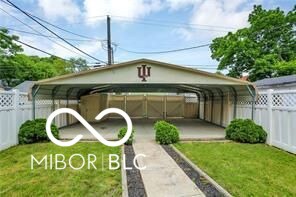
column 201, row 182
column 135, row 183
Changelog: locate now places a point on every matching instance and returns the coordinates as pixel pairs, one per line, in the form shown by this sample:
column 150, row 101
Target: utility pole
column 109, row 47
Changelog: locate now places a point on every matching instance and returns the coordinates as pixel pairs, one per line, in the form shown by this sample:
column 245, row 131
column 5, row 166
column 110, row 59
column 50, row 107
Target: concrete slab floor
column 190, row 129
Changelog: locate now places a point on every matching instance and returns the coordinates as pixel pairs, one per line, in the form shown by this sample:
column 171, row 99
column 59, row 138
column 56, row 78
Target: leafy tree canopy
column 16, row 67
column 78, row 64
column 266, row 48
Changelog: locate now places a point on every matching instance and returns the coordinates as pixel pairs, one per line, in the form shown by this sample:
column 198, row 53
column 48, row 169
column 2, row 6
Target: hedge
column 33, row 131
column 122, row 133
column 166, row 133
column 245, row 131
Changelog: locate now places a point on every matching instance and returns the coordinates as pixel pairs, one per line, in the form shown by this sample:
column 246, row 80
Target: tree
column 35, row 68
column 285, row 68
column 258, row 49
column 78, row 64
column 7, row 51
column 16, row 67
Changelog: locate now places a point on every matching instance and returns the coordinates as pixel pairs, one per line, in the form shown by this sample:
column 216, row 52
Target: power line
column 208, row 65
column 35, row 48
column 32, row 33
column 58, row 27
column 65, row 30
column 133, row 19
column 194, row 67
column 53, row 25
column 54, row 32
column 28, row 45
column 161, row 52
column 37, row 31
column 170, row 26
column 173, row 25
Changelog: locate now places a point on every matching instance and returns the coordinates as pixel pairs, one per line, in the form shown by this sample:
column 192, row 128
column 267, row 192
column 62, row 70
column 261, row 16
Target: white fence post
column 16, row 107
column 269, row 109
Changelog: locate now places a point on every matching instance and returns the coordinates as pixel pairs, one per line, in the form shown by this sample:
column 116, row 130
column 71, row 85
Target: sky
column 136, row 25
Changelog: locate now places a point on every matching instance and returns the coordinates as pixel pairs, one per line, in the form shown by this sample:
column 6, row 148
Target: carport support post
column 165, row 107
column 67, row 116
column 253, row 107
column 222, row 109
column 53, row 93
column 222, row 106
column 125, row 102
column 198, row 105
column 205, row 102
column 253, row 94
column 52, row 100
column 234, row 102
column 67, row 105
column 34, row 93
column 212, row 107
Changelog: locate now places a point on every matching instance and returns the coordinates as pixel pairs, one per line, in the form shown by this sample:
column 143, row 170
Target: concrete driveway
column 190, row 129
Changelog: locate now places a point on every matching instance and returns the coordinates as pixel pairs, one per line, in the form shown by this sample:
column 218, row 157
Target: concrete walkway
column 162, row 176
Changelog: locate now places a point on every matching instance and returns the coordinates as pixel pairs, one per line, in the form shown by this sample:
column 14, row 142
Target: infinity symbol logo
column 89, row 127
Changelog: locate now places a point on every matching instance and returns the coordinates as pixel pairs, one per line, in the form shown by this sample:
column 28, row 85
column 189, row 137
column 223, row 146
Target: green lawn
column 17, row 178
column 245, row 169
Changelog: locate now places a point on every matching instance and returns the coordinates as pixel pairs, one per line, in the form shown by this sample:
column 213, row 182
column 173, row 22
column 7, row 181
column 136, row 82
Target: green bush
column 166, row 133
column 246, row 131
column 122, row 133
column 33, row 131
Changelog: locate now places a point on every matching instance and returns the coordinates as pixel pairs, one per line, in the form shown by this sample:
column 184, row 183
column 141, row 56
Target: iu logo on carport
column 144, row 72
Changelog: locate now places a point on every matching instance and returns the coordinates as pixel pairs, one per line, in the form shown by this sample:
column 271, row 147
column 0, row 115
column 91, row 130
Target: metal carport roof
column 124, row 77
column 142, row 75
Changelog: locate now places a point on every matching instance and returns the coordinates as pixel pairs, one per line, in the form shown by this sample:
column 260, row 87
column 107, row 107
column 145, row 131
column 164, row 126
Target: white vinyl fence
column 276, row 112
column 15, row 109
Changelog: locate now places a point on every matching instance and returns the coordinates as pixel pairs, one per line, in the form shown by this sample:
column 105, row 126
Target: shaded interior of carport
column 217, row 96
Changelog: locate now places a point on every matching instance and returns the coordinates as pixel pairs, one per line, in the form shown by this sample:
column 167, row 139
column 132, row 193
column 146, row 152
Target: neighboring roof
column 276, row 81
column 25, row 86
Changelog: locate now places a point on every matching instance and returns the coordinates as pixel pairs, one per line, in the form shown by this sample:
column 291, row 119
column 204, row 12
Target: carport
column 129, row 86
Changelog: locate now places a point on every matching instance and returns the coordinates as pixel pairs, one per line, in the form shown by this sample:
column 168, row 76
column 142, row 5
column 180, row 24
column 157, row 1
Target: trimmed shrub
column 166, row 133
column 33, row 131
column 122, row 133
column 245, row 131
